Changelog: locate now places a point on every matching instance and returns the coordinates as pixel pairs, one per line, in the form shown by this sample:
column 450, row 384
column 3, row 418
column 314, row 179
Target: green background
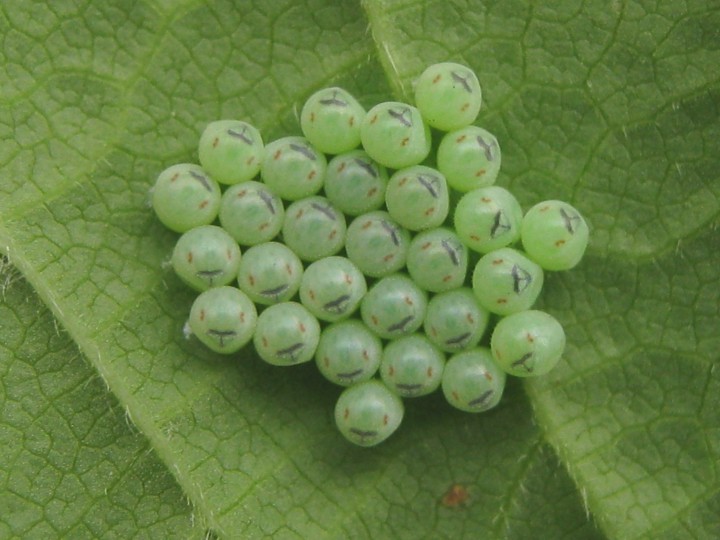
column 114, row 425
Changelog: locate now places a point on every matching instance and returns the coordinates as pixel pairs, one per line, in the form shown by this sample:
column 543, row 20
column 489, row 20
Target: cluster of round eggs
column 357, row 238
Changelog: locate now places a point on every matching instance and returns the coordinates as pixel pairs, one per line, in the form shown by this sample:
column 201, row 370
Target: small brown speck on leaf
column 456, row 496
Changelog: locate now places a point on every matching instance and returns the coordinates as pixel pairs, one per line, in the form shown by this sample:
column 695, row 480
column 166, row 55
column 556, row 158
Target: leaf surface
column 611, row 106
column 70, row 465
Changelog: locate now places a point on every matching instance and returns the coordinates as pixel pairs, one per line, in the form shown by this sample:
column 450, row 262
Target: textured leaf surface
column 69, row 464
column 612, row 106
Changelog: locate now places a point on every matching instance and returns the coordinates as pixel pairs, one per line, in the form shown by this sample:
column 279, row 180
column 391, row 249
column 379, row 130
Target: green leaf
column 612, row 106
column 69, row 464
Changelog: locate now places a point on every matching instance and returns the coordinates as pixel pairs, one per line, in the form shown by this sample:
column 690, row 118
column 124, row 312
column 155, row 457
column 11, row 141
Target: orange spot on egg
column 333, row 234
column 242, row 316
column 475, row 237
column 367, row 225
column 461, row 138
column 351, row 121
column 465, row 107
column 426, row 245
column 342, row 166
column 302, row 328
column 346, row 413
column 175, row 177
column 497, row 261
column 447, row 278
column 502, row 301
column 559, row 243
column 250, row 160
column 429, row 372
column 385, row 420
column 408, row 301
column 388, row 257
column 470, row 318
column 402, row 181
column 530, row 338
column 480, row 173
column 437, row 78
column 488, row 376
column 277, row 155
column 251, row 279
column 264, row 226
column 312, row 116
column 288, row 269
column 203, row 204
column 189, row 257
column 374, row 320
column 371, row 192
column 202, row 314
column 374, row 119
column 311, row 174
column 486, row 199
column 405, row 141
column 430, row 211
column 215, row 142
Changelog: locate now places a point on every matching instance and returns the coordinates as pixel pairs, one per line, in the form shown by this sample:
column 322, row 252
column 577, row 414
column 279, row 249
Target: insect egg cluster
column 342, row 247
